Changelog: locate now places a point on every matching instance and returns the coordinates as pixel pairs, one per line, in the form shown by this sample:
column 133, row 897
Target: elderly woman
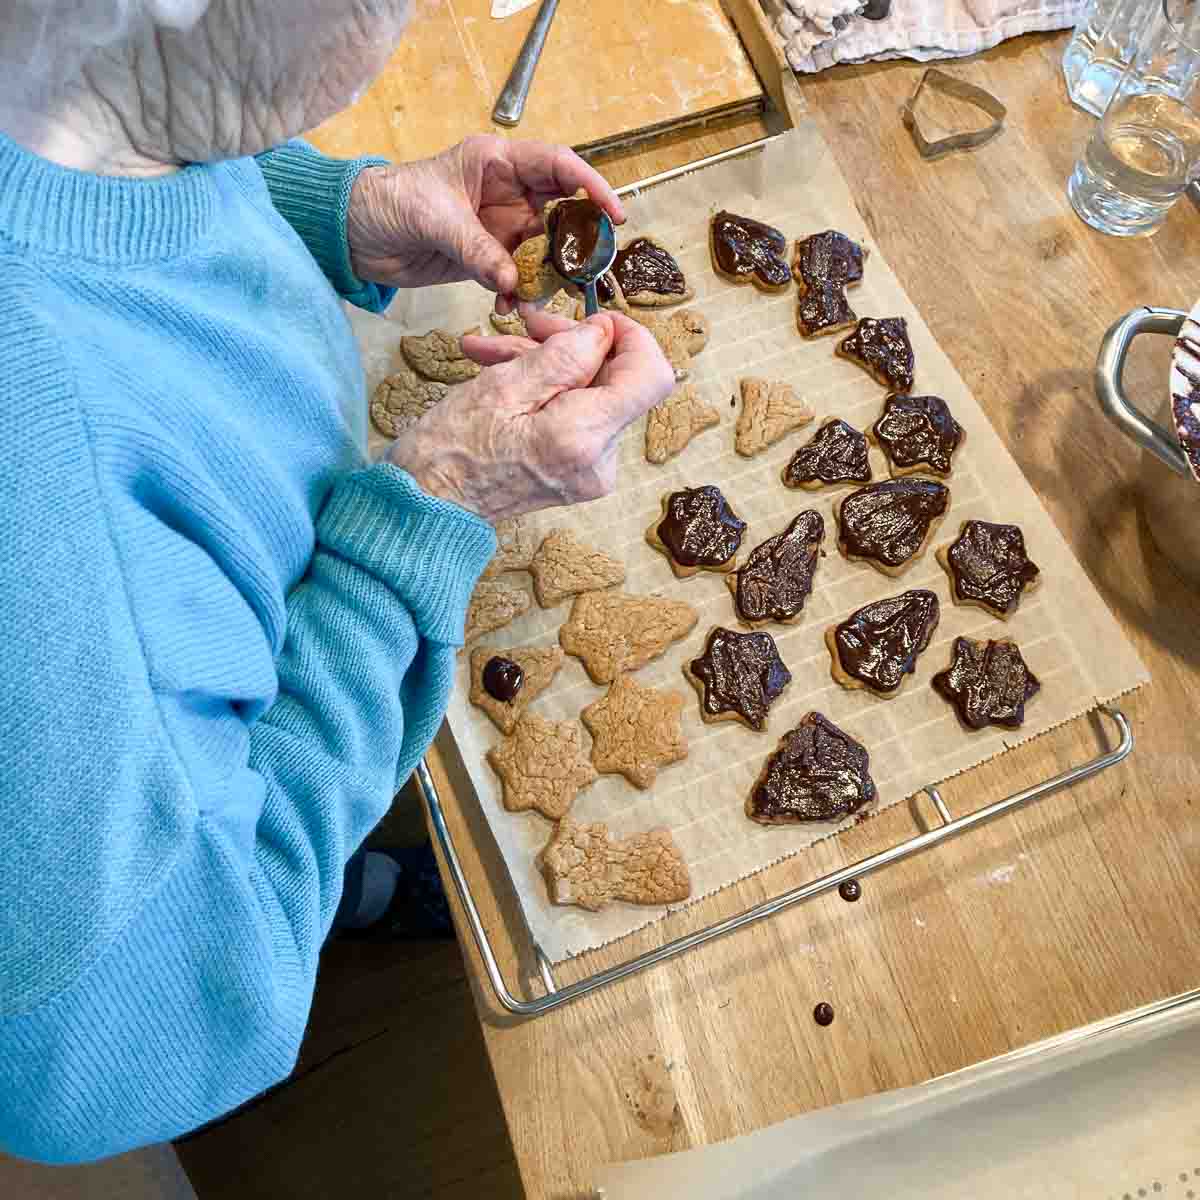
column 228, row 639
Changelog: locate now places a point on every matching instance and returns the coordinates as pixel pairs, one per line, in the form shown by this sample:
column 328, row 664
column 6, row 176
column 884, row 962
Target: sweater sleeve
column 312, row 193
column 172, row 855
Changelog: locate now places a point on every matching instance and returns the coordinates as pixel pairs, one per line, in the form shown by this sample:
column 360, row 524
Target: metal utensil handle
column 591, row 301
column 556, row 996
column 511, row 104
column 1110, row 391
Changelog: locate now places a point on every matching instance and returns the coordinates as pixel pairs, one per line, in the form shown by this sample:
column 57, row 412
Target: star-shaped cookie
column 635, row 730
column 541, row 765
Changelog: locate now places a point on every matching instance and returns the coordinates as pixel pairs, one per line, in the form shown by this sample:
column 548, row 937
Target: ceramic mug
column 1169, row 493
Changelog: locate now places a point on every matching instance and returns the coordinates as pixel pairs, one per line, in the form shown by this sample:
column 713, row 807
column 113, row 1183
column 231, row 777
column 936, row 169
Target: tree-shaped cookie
column 770, row 410
column 564, row 566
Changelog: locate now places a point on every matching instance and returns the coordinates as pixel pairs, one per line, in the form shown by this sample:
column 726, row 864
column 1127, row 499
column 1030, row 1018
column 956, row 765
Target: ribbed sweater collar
column 101, row 218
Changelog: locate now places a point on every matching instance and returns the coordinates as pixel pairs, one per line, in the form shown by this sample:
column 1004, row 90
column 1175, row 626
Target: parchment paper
column 1111, row 1115
column 1070, row 640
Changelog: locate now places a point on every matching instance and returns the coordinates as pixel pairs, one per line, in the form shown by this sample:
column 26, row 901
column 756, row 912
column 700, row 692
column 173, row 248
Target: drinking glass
column 1103, row 45
column 1146, row 148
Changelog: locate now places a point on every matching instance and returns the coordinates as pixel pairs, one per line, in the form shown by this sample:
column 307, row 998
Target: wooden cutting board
column 610, row 72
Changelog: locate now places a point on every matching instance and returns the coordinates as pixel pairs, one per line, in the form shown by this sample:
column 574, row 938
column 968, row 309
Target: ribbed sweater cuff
column 312, row 192
column 429, row 551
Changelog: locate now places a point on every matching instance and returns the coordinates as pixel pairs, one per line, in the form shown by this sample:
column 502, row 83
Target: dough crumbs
column 439, row 356
column 516, row 543
column 611, row 632
column 402, row 399
column 493, row 605
column 542, row 766
column 564, row 566
column 586, row 866
column 672, row 424
column 635, row 731
column 770, row 410
column 539, row 667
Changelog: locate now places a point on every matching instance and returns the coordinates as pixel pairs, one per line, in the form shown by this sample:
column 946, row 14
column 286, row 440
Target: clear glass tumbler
column 1103, row 45
column 1146, row 148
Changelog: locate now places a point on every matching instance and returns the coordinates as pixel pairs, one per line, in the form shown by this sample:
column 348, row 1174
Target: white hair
column 43, row 43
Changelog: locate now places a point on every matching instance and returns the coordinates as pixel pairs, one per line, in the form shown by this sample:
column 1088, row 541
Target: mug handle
column 1110, row 364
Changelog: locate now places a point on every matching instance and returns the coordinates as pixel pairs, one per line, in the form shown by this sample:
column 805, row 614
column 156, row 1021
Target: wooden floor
column 392, row 1097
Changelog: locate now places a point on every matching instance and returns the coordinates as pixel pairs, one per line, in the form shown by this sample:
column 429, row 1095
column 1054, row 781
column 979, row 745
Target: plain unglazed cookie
column 439, row 356
column 516, row 543
column 636, row 730
column 559, row 305
column 538, row 668
column 564, row 566
column 681, row 334
column 542, row 766
column 586, row 866
column 402, row 399
column 611, row 632
column 671, row 425
column 770, row 410
column 494, row 603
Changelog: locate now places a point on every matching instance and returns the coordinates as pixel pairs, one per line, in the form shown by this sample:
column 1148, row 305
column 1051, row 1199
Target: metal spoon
column 511, row 104
column 600, row 260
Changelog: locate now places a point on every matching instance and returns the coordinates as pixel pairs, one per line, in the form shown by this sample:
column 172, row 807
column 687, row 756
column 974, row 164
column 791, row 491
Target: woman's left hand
column 461, row 215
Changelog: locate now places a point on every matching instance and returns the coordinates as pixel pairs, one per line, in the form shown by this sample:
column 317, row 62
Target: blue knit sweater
column 225, row 639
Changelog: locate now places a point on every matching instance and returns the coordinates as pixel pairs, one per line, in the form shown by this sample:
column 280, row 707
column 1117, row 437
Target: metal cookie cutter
column 948, row 85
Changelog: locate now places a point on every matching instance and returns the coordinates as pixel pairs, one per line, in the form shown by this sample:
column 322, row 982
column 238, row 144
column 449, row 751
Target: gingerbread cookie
column 547, row 261
column 559, row 305
column 747, row 251
column 494, row 603
column 877, row 646
column 402, row 399
column 673, row 423
column 738, row 677
column 988, row 683
column 889, row 524
column 988, row 567
column 585, row 865
column 824, row 266
column 770, row 410
column 611, row 632
column 880, row 345
column 564, row 566
column 439, row 356
column 681, row 335
column 542, row 766
column 505, row 682
column 818, row 773
column 775, row 581
column 635, row 731
column 697, row 531
column 836, row 453
column 647, row 274
column 917, row 434
column 516, row 543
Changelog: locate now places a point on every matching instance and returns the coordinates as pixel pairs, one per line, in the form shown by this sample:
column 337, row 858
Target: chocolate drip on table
column 988, row 564
column 837, row 453
column 850, row 890
column 699, row 528
column 879, row 643
column 574, row 231
column 777, row 578
column 743, row 247
column 742, row 673
column 823, row 1013
column 889, row 521
column 502, row 679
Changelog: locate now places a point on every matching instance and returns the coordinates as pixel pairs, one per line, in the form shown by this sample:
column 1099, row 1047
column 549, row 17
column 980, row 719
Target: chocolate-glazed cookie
column 824, row 266
column 988, row 683
column 697, row 531
column 747, row 251
column 739, row 676
column 988, row 567
column 648, row 274
column 836, row 453
column 880, row 345
column 777, row 578
column 877, row 646
column 888, row 524
column 818, row 773
column 574, row 227
column 917, row 433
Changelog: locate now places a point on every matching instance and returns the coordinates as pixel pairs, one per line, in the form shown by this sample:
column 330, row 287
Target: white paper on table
column 506, row 8
column 915, row 739
column 1107, row 1116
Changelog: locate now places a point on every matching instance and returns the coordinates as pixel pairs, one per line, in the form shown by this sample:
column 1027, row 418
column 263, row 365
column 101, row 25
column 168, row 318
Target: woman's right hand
column 539, row 426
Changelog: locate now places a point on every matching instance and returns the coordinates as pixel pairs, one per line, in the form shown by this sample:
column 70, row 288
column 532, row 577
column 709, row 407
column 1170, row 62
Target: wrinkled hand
column 539, row 426
column 462, row 214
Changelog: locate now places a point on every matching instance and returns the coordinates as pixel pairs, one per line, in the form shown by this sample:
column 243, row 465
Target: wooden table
column 1077, row 908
